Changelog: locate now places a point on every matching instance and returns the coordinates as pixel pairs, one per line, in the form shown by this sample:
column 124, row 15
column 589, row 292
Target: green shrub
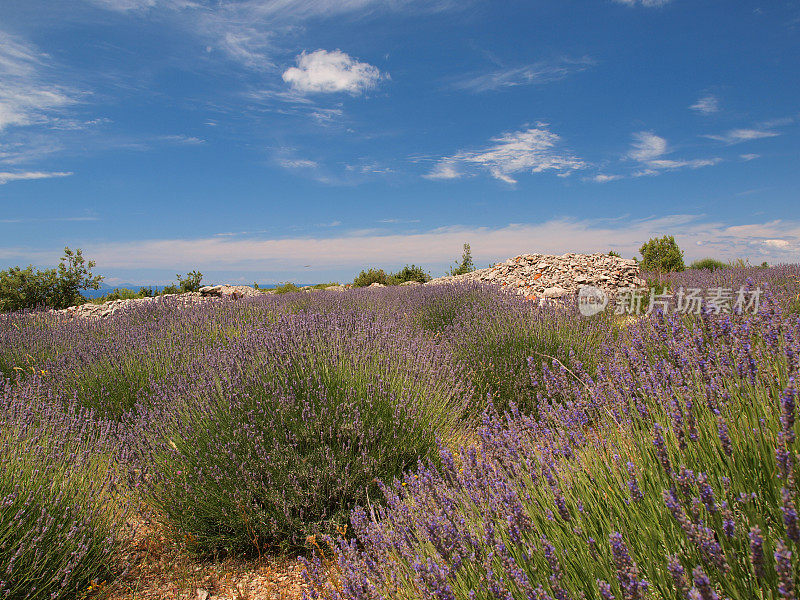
column 411, row 273
column 60, row 517
column 710, row 264
column 466, row 265
column 283, row 440
column 367, row 278
column 613, row 253
column 286, row 288
column 661, row 255
column 192, row 282
column 28, row 288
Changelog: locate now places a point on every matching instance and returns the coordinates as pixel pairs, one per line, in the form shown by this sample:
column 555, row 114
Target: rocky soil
column 550, row 276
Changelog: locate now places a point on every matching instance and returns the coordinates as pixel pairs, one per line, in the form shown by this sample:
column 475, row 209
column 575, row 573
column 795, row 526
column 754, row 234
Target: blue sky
column 276, row 140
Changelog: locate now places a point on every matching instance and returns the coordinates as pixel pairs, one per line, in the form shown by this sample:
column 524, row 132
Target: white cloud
column 646, row 3
column 124, row 5
column 647, row 146
column 734, row 136
column 29, row 175
column 533, row 150
column 706, row 105
column 536, row 73
column 604, row 178
column 335, row 71
column 297, row 163
column 25, row 97
column 183, row 140
column 748, row 157
column 444, row 169
column 648, row 149
column 775, row 241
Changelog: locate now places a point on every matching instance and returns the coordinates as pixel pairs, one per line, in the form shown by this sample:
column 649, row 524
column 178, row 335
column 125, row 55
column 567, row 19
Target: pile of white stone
column 112, row 307
column 549, row 276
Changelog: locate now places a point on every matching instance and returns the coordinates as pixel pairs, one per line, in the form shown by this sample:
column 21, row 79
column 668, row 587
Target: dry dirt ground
column 159, row 569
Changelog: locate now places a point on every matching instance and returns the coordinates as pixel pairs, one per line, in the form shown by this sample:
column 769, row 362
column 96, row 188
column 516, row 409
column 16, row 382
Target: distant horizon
column 305, row 140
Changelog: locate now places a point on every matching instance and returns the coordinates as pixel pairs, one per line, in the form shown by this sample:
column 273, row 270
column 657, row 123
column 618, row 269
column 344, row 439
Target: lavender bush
column 670, row 473
column 280, row 434
column 60, row 518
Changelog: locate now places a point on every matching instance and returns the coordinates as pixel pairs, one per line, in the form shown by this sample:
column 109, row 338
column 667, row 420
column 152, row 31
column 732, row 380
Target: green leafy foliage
column 614, row 253
column 711, row 264
column 286, row 288
column 661, row 255
column 411, row 273
column 367, row 278
column 466, row 265
column 29, row 288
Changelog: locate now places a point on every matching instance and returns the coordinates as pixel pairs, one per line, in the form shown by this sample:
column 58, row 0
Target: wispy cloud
column 49, row 219
column 646, row 3
column 326, row 71
column 749, row 157
column 30, row 175
column 26, row 95
column 706, row 105
column 735, row 136
column 535, row 73
column 183, row 140
column 648, row 149
column 297, row 163
column 533, row 150
column 249, row 32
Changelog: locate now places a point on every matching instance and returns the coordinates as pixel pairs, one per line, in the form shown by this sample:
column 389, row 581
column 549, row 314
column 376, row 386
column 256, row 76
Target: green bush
column 296, row 429
column 367, row 278
column 61, row 516
column 411, row 273
column 661, row 255
column 710, row 264
column 286, row 288
column 28, row 288
column 466, row 265
column 192, row 282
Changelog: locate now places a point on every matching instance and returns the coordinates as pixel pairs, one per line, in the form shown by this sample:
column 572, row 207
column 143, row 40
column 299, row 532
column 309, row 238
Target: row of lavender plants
column 249, row 425
column 246, row 425
column 667, row 472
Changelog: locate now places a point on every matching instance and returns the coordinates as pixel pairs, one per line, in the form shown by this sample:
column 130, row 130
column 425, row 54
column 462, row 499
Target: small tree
column 613, row 253
column 191, row 283
column 55, row 288
column 466, row 265
column 661, row 255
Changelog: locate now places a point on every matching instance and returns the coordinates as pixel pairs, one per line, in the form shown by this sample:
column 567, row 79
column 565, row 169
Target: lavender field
column 448, row 442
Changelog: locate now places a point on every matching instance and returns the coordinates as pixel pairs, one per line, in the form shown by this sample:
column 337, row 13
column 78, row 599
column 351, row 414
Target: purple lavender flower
column 783, row 567
column 703, row 584
column 633, row 484
column 757, row 551
column 678, row 575
column 788, row 409
column 661, row 448
column 790, row 516
column 706, row 493
column 605, row 590
column 633, row 587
